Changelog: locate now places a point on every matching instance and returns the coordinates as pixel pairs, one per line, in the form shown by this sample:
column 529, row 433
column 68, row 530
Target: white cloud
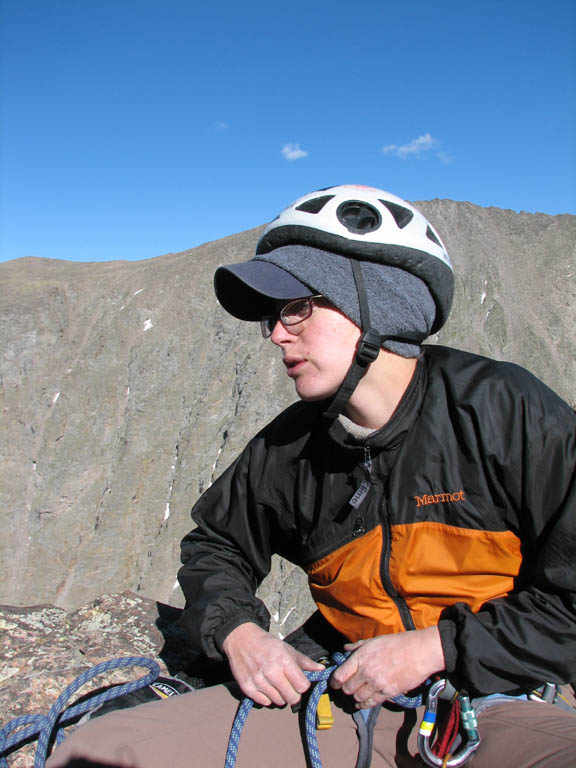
column 423, row 143
column 293, row 152
column 445, row 157
column 221, row 126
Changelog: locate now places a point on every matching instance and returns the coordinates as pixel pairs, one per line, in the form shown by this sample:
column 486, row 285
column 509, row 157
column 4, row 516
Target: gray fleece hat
column 399, row 301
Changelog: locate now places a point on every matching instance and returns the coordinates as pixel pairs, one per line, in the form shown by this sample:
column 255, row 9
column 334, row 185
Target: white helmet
column 368, row 224
column 301, row 254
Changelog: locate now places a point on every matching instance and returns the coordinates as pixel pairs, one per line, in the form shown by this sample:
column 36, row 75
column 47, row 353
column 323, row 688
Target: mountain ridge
column 125, row 390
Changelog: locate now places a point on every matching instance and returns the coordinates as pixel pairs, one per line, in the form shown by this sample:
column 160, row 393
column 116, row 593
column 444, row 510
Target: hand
column 385, row 666
column 267, row 669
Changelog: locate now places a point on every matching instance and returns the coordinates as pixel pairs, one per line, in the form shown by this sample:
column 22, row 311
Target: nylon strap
column 365, row 323
column 367, row 350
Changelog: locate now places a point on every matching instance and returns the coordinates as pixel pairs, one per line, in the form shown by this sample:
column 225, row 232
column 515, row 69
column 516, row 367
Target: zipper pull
column 367, row 464
column 361, row 493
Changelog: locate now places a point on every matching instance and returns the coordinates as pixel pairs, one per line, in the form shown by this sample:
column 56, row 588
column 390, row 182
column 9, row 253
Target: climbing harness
column 311, row 743
column 50, row 727
column 468, row 722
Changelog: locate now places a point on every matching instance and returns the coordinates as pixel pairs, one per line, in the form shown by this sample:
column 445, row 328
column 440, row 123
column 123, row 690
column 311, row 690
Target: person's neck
column 380, row 390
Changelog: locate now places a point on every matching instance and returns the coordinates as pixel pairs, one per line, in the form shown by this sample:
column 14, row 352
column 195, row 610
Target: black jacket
column 460, row 511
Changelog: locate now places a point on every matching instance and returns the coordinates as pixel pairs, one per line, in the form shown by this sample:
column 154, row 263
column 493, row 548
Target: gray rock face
column 515, row 287
column 125, row 390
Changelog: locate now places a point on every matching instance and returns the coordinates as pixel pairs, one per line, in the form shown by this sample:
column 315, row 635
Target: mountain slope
column 125, row 390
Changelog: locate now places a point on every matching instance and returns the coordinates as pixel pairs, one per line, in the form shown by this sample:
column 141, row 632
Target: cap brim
column 249, row 290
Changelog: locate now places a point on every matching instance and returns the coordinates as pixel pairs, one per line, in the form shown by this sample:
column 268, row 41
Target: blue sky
column 132, row 128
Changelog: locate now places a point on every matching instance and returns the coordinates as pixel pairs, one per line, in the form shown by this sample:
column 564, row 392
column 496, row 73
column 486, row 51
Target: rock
column 43, row 649
column 515, row 288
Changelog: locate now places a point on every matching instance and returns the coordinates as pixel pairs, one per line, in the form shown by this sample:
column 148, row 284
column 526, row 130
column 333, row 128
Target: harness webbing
column 50, row 727
column 367, row 350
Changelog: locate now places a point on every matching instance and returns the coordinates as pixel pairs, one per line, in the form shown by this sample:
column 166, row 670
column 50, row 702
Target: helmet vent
column 402, row 216
column 359, row 218
column 430, row 234
column 315, row 205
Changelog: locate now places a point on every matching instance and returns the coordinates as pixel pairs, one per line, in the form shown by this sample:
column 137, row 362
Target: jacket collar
column 397, row 426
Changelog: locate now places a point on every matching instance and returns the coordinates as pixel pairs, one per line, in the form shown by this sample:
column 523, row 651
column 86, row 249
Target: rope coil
column 25, row 728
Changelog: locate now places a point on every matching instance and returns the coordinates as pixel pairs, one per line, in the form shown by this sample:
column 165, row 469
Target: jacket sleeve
column 529, row 636
column 224, row 559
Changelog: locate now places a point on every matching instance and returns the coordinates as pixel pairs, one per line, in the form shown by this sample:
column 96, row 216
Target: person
column 428, row 493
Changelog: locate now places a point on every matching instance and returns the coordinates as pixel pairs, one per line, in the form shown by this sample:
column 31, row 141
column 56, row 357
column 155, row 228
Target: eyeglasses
column 290, row 315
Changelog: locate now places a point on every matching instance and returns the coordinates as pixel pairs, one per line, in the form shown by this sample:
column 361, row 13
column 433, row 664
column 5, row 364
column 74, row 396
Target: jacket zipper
column 389, row 588
column 359, row 529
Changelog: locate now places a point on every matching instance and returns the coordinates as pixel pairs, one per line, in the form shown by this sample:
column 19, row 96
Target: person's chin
column 312, row 395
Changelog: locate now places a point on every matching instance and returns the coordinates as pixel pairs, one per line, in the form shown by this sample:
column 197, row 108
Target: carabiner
column 467, row 720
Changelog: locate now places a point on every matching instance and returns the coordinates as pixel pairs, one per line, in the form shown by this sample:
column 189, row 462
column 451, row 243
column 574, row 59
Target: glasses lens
column 291, row 314
column 267, row 326
column 296, row 311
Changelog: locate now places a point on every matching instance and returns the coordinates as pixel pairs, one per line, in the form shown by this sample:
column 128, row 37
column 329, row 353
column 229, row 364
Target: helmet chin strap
column 367, row 349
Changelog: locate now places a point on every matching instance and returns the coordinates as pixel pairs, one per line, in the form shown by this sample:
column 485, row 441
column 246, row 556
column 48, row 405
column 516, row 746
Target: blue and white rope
column 312, row 706
column 26, row 728
column 237, row 726
column 311, row 745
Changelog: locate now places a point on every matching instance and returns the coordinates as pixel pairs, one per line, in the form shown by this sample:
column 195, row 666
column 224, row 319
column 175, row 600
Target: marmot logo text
column 438, row 498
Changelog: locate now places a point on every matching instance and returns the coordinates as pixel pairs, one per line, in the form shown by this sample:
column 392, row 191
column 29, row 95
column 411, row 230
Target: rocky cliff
column 43, row 649
column 125, row 390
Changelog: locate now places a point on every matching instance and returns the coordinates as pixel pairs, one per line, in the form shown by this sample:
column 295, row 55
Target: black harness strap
column 365, row 323
column 367, row 350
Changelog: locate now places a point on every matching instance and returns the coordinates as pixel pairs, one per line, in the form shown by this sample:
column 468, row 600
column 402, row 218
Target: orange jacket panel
column 432, row 566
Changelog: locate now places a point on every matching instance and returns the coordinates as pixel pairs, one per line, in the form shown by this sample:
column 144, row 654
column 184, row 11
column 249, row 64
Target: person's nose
column 280, row 334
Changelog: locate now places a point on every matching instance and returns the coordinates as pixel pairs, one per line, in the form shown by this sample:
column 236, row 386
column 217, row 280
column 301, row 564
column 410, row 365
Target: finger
column 358, row 684
column 297, row 679
column 305, row 662
column 364, row 692
column 354, row 646
column 352, row 687
column 268, row 687
column 279, row 694
column 293, row 690
column 257, row 697
column 290, row 696
column 286, row 683
column 367, row 703
column 341, row 676
column 367, row 696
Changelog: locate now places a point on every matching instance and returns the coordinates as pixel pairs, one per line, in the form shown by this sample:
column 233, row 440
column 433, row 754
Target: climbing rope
column 311, row 744
column 51, row 726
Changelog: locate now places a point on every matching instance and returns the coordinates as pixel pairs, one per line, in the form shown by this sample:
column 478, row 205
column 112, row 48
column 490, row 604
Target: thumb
column 305, row 662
